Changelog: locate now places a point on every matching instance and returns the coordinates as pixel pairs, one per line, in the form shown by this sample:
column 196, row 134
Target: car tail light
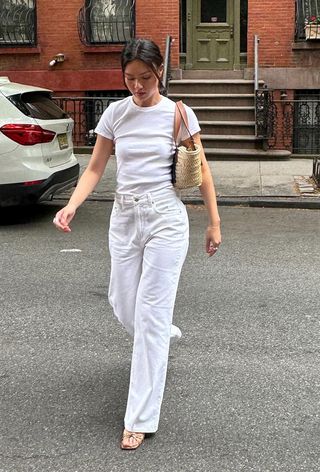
column 32, row 182
column 27, row 135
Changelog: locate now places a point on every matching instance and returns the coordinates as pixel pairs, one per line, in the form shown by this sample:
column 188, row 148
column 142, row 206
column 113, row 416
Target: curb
column 307, row 203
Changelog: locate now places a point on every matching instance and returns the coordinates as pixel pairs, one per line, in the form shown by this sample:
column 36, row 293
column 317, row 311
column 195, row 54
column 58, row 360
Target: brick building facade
column 286, row 60
column 86, row 67
column 208, row 36
column 96, row 66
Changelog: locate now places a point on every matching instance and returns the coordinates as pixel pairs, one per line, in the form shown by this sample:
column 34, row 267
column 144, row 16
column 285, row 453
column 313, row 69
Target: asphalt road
column 243, row 389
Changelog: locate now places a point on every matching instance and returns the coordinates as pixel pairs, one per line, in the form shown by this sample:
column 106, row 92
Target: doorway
column 211, row 33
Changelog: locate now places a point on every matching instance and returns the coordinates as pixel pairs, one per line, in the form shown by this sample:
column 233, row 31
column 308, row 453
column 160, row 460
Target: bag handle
column 181, row 114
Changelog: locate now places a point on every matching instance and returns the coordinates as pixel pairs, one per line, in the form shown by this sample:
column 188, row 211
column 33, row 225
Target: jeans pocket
column 115, row 208
column 167, row 207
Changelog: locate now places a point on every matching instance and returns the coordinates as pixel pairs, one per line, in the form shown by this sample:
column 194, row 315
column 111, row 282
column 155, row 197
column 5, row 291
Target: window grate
column 86, row 112
column 306, row 132
column 305, row 10
column 106, row 21
column 292, row 124
column 17, row 22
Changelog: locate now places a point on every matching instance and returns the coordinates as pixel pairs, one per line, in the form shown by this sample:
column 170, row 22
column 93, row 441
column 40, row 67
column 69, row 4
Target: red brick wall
column 155, row 20
column 274, row 22
column 85, row 67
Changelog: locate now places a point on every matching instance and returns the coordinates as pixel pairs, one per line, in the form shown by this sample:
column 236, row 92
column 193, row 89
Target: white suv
column 36, row 150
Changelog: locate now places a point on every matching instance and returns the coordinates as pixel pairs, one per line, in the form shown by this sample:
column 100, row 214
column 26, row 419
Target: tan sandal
column 136, row 439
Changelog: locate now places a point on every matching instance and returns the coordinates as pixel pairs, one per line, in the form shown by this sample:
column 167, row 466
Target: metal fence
column 316, row 171
column 85, row 112
column 266, row 113
column 17, row 22
column 106, row 21
column 289, row 124
column 306, row 129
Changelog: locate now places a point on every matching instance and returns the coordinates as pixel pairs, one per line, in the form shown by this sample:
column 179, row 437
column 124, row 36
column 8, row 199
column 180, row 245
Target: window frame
column 23, row 33
column 304, row 10
column 119, row 29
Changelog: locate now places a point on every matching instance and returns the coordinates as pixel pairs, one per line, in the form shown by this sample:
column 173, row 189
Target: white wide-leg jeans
column 148, row 242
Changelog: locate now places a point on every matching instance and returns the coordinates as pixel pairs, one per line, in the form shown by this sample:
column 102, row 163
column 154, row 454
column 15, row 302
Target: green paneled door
column 213, row 34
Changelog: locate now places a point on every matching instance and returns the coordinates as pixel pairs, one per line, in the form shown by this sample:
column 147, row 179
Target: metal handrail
column 256, row 62
column 256, row 81
column 166, row 65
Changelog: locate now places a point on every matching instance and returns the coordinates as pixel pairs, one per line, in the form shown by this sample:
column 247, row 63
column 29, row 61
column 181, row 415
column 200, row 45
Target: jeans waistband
column 149, row 197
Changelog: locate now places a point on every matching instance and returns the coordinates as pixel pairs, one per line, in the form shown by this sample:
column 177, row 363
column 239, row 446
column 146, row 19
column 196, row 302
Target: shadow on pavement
column 21, row 215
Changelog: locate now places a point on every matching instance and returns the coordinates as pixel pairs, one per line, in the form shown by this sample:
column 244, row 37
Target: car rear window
column 38, row 105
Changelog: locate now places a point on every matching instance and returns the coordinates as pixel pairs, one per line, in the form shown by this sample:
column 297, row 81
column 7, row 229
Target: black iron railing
column 266, row 114
column 289, row 124
column 85, row 112
column 307, row 12
column 316, row 171
column 306, row 125
column 17, row 22
column 167, row 65
column 106, row 21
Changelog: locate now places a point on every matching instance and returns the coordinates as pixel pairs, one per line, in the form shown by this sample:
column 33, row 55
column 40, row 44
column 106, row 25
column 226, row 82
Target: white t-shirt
column 144, row 142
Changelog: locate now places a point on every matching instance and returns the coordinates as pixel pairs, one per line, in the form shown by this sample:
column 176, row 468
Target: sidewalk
column 275, row 183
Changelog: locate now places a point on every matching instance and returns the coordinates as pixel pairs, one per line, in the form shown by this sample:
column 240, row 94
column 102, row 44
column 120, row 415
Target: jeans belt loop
column 150, row 198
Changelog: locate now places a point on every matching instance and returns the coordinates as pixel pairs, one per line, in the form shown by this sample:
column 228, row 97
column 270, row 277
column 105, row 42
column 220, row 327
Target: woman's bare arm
column 207, row 189
column 88, row 181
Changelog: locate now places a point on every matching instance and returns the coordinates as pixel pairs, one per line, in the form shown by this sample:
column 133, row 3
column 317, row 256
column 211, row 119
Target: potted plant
column 312, row 27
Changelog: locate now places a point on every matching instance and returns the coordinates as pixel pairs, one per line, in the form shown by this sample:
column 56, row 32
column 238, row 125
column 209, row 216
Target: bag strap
column 181, row 115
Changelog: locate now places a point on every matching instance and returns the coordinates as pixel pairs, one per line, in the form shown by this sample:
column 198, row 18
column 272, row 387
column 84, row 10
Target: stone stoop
column 226, row 113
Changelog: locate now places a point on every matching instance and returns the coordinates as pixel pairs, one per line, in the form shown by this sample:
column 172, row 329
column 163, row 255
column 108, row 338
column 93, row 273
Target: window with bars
column 107, row 21
column 306, row 133
column 17, row 22
column 307, row 19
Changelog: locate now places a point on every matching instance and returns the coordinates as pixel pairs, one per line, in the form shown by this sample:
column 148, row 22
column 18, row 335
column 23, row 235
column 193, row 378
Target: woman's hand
column 213, row 239
column 64, row 217
column 89, row 179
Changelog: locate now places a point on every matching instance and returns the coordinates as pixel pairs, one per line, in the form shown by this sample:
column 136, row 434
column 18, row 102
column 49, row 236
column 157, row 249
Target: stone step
column 228, row 113
column 212, row 86
column 218, row 99
column 230, row 141
column 234, row 154
column 207, row 74
column 227, row 127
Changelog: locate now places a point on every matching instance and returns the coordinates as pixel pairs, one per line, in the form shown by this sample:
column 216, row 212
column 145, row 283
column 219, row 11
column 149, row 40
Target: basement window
column 306, row 133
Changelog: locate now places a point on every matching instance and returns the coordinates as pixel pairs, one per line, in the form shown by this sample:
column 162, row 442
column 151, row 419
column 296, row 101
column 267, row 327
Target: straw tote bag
column 186, row 168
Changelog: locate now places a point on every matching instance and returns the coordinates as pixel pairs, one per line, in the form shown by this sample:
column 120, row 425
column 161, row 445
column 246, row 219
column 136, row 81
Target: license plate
column 63, row 140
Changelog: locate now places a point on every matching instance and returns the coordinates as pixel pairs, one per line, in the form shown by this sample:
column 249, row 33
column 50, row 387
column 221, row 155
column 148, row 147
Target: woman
column 148, row 234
